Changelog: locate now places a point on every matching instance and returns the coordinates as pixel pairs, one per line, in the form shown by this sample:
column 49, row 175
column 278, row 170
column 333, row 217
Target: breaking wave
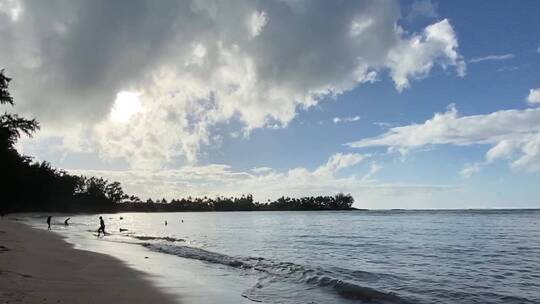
column 157, row 238
column 283, row 272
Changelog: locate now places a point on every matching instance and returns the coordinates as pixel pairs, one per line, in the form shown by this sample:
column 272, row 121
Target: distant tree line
column 243, row 203
column 30, row 186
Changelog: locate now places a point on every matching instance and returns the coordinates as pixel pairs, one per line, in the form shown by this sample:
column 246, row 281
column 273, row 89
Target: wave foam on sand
column 38, row 266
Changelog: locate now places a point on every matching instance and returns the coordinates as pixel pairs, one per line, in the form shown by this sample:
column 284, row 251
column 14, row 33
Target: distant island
column 31, row 186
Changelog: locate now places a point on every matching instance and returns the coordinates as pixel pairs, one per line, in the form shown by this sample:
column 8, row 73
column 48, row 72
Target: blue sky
column 286, row 103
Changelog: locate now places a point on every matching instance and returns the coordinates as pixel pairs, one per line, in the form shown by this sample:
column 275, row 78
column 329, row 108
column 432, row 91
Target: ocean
column 393, row 256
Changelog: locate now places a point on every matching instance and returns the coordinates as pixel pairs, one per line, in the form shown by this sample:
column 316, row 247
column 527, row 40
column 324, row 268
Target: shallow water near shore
column 453, row 256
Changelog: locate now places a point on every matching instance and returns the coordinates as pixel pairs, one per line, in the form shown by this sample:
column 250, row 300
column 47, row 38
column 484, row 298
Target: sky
column 403, row 104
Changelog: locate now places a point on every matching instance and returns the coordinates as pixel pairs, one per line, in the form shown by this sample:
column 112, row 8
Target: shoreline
column 41, row 267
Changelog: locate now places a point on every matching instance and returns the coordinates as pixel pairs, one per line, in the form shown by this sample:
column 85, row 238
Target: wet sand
column 40, row 267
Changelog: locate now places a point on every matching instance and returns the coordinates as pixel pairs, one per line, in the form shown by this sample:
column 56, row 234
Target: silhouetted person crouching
column 49, row 222
column 101, row 226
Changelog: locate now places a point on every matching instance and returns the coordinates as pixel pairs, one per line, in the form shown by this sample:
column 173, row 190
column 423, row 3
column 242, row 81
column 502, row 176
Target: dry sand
column 40, row 267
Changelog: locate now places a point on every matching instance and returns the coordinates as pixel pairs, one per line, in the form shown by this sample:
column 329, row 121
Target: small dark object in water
column 123, row 229
column 245, row 296
column 121, row 218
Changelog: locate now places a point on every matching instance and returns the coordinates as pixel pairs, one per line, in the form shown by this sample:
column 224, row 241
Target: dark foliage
column 5, row 97
column 29, row 186
column 37, row 186
column 243, row 203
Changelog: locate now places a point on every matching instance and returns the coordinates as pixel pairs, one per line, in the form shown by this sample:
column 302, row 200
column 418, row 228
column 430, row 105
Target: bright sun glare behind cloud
column 126, row 105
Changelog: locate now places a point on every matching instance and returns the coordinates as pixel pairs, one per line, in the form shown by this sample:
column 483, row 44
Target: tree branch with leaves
column 12, row 126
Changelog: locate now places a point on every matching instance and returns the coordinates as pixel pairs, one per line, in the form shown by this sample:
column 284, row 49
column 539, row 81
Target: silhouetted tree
column 12, row 126
column 35, row 186
column 243, row 203
column 114, row 192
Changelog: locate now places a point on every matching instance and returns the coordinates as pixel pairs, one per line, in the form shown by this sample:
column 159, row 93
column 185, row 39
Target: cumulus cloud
column 492, row 58
column 346, row 119
column 534, row 96
column 511, row 134
column 200, row 63
column 414, row 58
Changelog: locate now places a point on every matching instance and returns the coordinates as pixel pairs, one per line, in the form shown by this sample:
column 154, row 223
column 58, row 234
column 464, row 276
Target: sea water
column 397, row 256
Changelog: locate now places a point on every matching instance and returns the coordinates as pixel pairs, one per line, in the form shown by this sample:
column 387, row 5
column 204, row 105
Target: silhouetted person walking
column 66, row 221
column 101, row 226
column 49, row 222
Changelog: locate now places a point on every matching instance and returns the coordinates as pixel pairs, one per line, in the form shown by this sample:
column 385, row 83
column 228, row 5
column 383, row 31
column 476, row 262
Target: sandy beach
column 40, row 267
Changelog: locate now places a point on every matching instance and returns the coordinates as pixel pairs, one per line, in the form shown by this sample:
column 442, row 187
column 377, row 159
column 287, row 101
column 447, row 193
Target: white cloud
column 339, row 161
column 346, row 119
column 511, row 134
column 507, row 69
column 214, row 180
column 198, row 64
column 469, row 170
column 256, row 23
column 503, row 149
column 415, row 57
column 383, row 124
column 260, row 170
column 373, row 169
column 530, row 159
column 492, row 58
column 12, row 8
column 534, row 96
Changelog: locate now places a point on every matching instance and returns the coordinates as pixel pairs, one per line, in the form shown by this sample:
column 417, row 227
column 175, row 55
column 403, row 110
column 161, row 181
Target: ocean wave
column 354, row 292
column 157, row 238
column 283, row 272
column 198, row 254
